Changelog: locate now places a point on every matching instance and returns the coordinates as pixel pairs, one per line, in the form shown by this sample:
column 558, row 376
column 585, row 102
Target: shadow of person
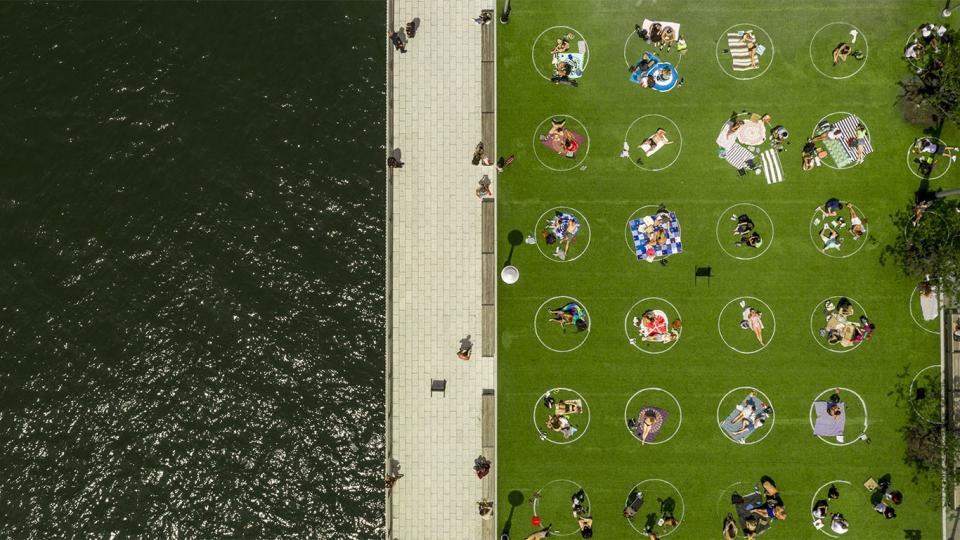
column 651, row 520
column 668, row 505
column 466, row 344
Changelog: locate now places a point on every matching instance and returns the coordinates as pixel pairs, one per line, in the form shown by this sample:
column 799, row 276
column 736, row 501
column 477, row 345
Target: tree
column 931, row 247
column 936, row 85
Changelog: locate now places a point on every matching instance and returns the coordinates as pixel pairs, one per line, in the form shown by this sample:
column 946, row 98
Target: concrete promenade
column 434, row 289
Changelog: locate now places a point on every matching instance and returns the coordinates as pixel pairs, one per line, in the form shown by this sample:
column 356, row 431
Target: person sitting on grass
column 646, row 62
column 562, row 46
column 586, row 527
column 820, row 509
column 857, row 227
column 744, row 225
column 838, row 524
column 831, row 207
column 667, row 38
column 841, row 52
column 752, row 240
column 752, row 321
column 778, row 137
column 576, row 503
column 563, row 227
column 730, row 530
column 561, row 424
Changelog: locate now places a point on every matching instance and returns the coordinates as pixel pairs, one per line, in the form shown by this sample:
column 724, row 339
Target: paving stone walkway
column 436, row 274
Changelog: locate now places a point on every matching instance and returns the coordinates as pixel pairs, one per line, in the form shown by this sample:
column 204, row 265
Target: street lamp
column 505, row 16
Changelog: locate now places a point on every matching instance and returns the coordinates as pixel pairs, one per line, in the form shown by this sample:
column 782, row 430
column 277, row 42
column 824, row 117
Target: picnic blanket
column 658, row 326
column 930, row 305
column 555, row 143
column 848, row 126
column 738, row 50
column 730, row 428
column 561, row 223
column 661, row 415
column 744, row 510
column 737, row 155
column 838, row 152
column 575, row 60
column 640, row 239
column 825, row 425
column 772, row 170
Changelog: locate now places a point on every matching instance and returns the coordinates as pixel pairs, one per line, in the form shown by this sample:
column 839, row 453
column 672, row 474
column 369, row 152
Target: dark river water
column 191, row 270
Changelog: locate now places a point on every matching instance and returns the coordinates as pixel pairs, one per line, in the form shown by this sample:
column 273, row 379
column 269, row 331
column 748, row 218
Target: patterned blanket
column 641, row 239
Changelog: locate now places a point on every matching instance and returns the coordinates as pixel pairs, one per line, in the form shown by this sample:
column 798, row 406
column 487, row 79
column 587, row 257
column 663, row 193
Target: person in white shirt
column 839, row 525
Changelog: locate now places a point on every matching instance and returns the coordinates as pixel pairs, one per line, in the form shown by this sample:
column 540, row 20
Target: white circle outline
column 581, row 216
column 814, row 500
column 627, row 42
column 533, row 49
column 626, row 417
column 910, row 153
column 536, row 426
column 866, row 423
column 629, row 239
column 912, row 386
column 724, row 34
column 536, row 141
column 814, row 130
column 769, row 310
column 536, row 501
column 760, row 393
column 862, row 241
column 537, row 332
column 679, row 137
column 915, row 292
column 626, row 327
column 820, row 305
column 683, row 505
column 946, row 224
column 859, row 34
column 769, row 241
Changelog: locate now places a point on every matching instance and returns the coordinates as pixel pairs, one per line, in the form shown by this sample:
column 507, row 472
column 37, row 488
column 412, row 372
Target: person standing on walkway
column 397, row 41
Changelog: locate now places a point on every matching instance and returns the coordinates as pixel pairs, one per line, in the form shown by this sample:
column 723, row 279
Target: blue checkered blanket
column 640, row 238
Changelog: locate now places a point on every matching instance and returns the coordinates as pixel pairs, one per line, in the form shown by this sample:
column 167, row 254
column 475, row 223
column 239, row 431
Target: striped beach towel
column 849, row 128
column 770, row 159
column 737, row 156
column 738, row 50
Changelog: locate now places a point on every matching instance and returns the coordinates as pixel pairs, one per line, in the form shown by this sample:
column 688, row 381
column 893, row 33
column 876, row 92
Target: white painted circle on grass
column 536, row 503
column 866, row 51
column 818, row 243
column 579, row 303
column 767, row 241
column 723, row 38
column 844, row 113
column 540, row 431
column 767, row 310
column 533, row 50
column 536, row 141
column 820, row 307
column 812, row 416
column 683, row 508
column 627, row 416
column 678, row 142
column 913, row 389
column 763, row 397
column 577, row 214
column 626, row 325
column 813, row 501
column 910, row 156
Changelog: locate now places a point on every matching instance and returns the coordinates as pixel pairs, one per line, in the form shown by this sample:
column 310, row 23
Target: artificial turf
column 792, row 277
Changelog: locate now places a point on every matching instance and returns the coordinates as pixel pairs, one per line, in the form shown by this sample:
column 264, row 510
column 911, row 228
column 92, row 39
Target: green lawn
column 792, row 277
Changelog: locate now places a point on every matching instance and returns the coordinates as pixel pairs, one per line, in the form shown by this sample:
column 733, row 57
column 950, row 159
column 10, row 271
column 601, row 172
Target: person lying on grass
column 563, row 227
column 841, row 52
column 562, row 46
column 751, row 43
column 658, row 138
column 857, row 227
column 730, row 530
column 859, row 142
column 830, row 238
column 586, row 527
column 646, row 62
column 752, row 321
column 924, row 145
column 647, row 420
column 570, row 313
column 561, row 424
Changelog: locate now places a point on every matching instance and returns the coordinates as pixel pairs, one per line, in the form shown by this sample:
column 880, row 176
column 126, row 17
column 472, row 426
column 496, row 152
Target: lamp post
column 505, row 16
column 946, row 12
